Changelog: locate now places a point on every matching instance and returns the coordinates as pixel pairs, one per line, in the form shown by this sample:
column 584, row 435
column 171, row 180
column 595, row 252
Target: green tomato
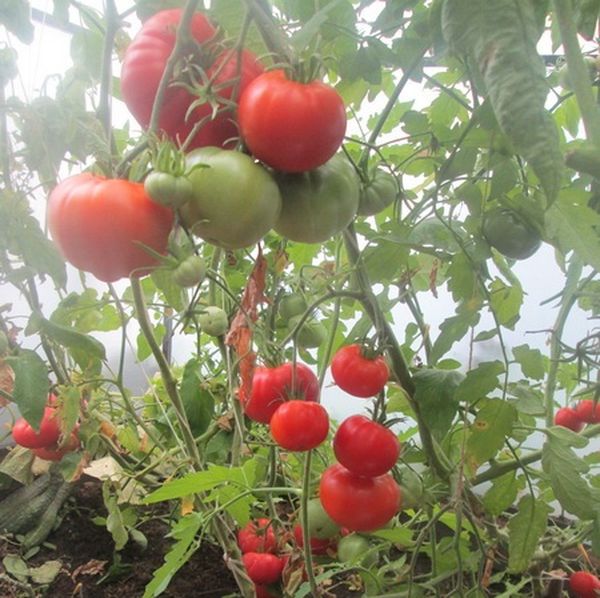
column 235, row 201
column 312, row 334
column 413, row 491
column 191, row 272
column 292, row 305
column 378, row 193
column 167, row 189
column 356, row 549
column 506, row 231
column 318, row 204
column 320, row 525
column 213, row 320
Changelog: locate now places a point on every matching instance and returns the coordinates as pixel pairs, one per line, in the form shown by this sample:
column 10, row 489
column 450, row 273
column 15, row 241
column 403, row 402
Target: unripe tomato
column 312, row 333
column 320, row 525
column 258, row 536
column 213, row 320
column 356, row 549
column 292, row 305
column 507, row 232
column 358, row 374
column 191, row 272
column 588, row 412
column 365, row 447
column 356, row 502
column 413, row 490
column 568, row 418
column 378, row 193
column 299, row 425
column 263, row 567
column 168, row 189
column 47, row 435
column 584, row 584
column 317, row 545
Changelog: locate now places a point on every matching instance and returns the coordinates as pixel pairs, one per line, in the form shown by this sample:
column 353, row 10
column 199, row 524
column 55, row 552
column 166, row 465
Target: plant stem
column 308, row 562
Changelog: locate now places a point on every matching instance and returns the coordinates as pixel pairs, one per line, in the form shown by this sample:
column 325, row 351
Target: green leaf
column 452, row 330
column 31, row 385
column 198, row 402
column 596, row 535
column 564, row 468
column 531, row 361
column 402, row 536
column 506, row 301
column 114, row 521
column 174, row 294
column 434, row 392
column 480, row 381
column 15, row 15
column 46, row 573
column 502, row 494
column 494, row 422
column 525, row 530
column 16, row 566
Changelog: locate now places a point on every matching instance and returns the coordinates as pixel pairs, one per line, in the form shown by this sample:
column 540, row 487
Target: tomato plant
column 102, row 225
column 365, row 447
column 257, row 536
column 311, row 334
column 377, row 193
column 263, row 567
column 236, row 201
column 299, row 425
column 568, row 418
column 507, row 232
column 190, row 272
column 318, row 204
column 357, row 502
column 357, row 373
column 296, row 144
column 46, row 436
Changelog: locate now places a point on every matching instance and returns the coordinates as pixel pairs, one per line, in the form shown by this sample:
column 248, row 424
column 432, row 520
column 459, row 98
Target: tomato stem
column 308, row 562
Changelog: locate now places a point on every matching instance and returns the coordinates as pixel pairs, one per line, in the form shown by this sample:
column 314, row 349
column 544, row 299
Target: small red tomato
column 568, row 418
column 257, row 536
column 299, row 425
column 263, row 567
column 365, row 447
column 584, row 584
column 358, row 374
column 47, row 435
column 588, row 412
column 273, row 386
column 318, row 546
column 361, row 504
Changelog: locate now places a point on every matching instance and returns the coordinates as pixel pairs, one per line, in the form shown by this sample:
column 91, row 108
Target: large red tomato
column 357, row 373
column 258, row 536
column 263, row 567
column 47, row 435
column 101, row 224
column 144, row 64
column 299, row 425
column 273, row 386
column 289, row 125
column 359, row 503
column 365, row 447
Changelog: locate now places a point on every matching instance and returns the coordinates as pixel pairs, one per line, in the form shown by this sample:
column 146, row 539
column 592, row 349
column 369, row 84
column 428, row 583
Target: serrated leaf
column 530, row 360
column 480, row 381
column 31, row 385
column 525, row 530
column 506, row 301
column 452, row 330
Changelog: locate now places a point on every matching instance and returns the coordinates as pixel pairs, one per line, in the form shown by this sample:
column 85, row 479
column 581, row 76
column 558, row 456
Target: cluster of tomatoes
column 575, row 418
column 584, row 584
column 45, row 442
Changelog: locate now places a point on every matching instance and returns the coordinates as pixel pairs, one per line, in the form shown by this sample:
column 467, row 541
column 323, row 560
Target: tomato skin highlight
column 584, row 584
column 98, row 225
column 273, row 386
column 299, row 425
column 262, row 567
column 257, row 536
column 567, row 417
column 587, row 412
column 48, row 434
column 365, row 447
column 358, row 375
column 359, row 503
column 291, row 126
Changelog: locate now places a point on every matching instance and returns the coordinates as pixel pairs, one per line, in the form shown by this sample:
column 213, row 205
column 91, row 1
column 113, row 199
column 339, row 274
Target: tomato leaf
column 502, row 494
column 114, row 522
column 525, row 530
column 15, row 15
column 31, row 385
column 198, row 402
column 531, row 361
column 479, row 381
column 452, row 330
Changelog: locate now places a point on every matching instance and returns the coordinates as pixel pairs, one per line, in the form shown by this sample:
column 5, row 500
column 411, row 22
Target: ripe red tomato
column 143, row 66
column 317, row 546
column 568, row 418
column 47, row 435
column 365, row 447
column 299, row 425
column 99, row 224
column 55, row 452
column 263, row 567
column 289, row 125
column 584, row 584
column 358, row 374
column 257, row 536
column 273, row 386
column 588, row 412
column 359, row 503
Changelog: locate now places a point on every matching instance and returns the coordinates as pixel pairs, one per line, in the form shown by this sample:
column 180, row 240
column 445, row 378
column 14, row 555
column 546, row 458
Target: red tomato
column 257, row 536
column 56, row 453
column 365, row 447
column 273, row 386
column 291, row 126
column 143, row 67
column 299, row 425
column 317, row 546
column 584, row 584
column 357, row 374
column 263, row 567
column 588, row 412
column 98, row 225
column 361, row 504
column 568, row 418
column 47, row 435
